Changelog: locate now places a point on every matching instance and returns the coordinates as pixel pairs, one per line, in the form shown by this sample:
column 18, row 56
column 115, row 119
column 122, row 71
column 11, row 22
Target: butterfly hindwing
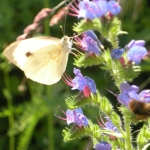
column 46, row 65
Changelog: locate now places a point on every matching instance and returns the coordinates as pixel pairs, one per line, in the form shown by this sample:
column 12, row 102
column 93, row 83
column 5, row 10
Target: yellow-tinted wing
column 46, row 65
column 18, row 52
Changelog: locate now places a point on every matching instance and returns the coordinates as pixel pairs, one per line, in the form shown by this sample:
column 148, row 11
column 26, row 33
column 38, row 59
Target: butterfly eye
column 71, row 39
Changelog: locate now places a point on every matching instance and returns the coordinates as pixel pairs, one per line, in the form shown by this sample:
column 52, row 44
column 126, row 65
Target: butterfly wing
column 46, row 65
column 18, row 52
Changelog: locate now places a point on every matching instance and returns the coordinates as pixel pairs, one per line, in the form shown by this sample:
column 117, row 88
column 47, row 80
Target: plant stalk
column 10, row 107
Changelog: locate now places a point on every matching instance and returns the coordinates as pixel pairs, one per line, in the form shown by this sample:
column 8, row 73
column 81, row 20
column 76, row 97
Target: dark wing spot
column 28, row 54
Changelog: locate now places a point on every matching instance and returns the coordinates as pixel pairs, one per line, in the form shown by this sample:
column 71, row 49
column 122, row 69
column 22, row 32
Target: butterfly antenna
column 62, row 30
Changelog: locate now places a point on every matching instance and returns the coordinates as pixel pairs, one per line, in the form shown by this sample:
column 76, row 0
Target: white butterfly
column 43, row 59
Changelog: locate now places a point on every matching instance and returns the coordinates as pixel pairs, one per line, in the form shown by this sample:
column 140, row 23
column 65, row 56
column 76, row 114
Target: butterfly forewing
column 18, row 51
column 43, row 59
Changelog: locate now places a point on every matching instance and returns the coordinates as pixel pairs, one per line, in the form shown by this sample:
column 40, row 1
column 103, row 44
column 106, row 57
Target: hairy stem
column 128, row 133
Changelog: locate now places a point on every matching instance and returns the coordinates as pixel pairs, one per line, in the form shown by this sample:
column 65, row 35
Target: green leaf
column 33, row 110
column 85, row 25
column 119, row 72
column 77, row 132
column 83, row 60
column 111, row 30
column 143, row 137
column 25, row 136
column 80, row 100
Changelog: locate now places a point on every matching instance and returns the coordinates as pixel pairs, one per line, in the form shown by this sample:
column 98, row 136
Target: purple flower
column 94, row 9
column 109, row 125
column 89, row 42
column 87, row 9
column 130, row 93
column 117, row 53
column 91, row 45
column 82, row 83
column 91, row 34
column 76, row 116
column 136, row 51
column 113, row 7
column 145, row 96
column 138, row 43
column 103, row 146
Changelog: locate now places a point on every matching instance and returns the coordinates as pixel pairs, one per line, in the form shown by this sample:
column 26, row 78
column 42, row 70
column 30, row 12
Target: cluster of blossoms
column 84, row 84
column 75, row 116
column 95, row 9
column 89, row 42
column 108, row 125
column 130, row 93
column 135, row 52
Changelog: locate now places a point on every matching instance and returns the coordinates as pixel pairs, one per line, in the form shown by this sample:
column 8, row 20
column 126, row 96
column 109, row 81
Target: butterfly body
column 43, row 59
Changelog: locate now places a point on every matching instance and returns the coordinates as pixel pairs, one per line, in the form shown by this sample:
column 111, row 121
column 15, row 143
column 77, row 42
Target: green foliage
column 83, row 60
column 33, row 111
column 80, row 101
column 109, row 30
column 85, row 25
column 26, row 134
column 120, row 72
column 77, row 132
column 23, row 110
column 144, row 137
column 112, row 30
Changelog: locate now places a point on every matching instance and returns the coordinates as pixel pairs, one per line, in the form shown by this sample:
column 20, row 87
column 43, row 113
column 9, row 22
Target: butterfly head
column 66, row 42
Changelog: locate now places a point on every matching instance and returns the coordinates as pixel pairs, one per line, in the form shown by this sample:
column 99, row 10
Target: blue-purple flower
column 82, row 83
column 113, row 7
column 110, row 126
column 89, row 42
column 76, row 116
column 129, row 93
column 91, row 34
column 136, row 51
column 117, row 53
column 103, row 146
column 145, row 96
column 94, row 9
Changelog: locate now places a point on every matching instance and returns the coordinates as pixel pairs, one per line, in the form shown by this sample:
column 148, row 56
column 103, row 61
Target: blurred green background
column 27, row 119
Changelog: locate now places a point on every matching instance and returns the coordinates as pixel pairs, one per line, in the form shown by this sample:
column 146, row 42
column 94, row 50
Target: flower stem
column 50, row 131
column 8, row 97
column 46, row 22
column 128, row 133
